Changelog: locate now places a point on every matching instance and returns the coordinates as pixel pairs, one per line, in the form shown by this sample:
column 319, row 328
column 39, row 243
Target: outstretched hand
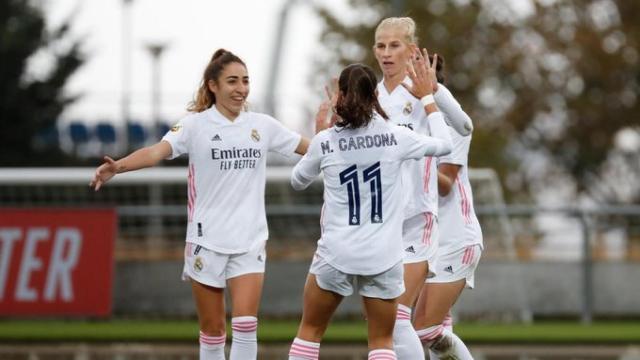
column 422, row 73
column 103, row 173
column 323, row 119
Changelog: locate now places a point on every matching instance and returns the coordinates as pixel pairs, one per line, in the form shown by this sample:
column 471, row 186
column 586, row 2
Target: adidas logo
column 410, row 249
column 216, row 138
column 449, row 269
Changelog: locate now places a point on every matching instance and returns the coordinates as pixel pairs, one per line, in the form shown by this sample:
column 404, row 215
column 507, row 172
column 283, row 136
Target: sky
column 192, row 30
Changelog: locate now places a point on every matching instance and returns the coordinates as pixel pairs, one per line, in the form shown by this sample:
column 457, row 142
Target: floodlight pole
column 156, row 50
column 155, row 191
column 126, row 73
column 271, row 86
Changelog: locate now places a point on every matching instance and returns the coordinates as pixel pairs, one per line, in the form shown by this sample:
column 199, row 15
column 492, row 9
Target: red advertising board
column 56, row 262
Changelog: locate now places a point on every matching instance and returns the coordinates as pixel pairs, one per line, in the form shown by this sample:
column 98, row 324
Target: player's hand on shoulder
column 104, row 173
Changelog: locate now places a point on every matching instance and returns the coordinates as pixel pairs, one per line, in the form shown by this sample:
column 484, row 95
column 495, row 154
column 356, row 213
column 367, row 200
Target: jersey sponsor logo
column 235, row 153
column 449, row 269
column 216, row 137
column 198, row 264
column 176, row 128
column 410, row 249
column 367, row 141
column 408, row 108
column 236, row 159
column 255, row 135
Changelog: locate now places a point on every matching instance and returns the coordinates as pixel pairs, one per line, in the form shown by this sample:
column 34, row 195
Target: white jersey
column 459, row 226
column 362, row 214
column 420, row 176
column 227, row 175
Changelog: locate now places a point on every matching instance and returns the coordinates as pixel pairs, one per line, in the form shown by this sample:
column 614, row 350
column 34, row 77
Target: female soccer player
column 361, row 223
column 395, row 40
column 460, row 246
column 227, row 148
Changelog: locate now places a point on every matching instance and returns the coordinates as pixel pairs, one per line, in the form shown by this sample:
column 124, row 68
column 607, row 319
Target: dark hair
column 358, row 99
column 205, row 98
column 439, row 68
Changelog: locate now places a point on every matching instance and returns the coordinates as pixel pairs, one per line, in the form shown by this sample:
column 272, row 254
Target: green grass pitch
column 284, row 331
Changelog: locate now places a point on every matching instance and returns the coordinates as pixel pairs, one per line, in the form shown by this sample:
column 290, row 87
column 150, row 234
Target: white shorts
column 458, row 265
column 420, row 239
column 386, row 285
column 213, row 268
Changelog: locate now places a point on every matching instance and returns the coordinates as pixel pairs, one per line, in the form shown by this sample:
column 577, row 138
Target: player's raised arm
column 426, row 74
column 142, row 158
column 326, row 116
column 455, row 117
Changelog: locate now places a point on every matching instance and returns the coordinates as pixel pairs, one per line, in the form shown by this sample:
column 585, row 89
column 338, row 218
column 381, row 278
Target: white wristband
column 427, row 100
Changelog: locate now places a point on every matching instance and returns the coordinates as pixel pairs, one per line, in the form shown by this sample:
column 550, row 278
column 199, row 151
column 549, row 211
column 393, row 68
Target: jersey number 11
column 371, row 175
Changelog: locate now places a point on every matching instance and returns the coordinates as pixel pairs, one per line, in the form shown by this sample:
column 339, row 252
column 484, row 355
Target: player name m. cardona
column 235, row 153
column 361, row 142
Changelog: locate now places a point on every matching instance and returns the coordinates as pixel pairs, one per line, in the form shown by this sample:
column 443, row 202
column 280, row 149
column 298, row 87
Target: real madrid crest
column 408, row 108
column 198, row 264
column 176, row 127
column 255, row 135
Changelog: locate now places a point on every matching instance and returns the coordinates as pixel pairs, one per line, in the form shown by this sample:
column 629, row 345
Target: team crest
column 198, row 265
column 408, row 108
column 255, row 135
column 176, row 128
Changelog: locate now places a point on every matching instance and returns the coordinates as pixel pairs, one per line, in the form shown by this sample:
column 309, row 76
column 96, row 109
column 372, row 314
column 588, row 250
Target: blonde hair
column 405, row 24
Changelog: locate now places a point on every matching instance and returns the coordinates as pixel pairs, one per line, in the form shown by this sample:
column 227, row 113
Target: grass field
column 284, row 331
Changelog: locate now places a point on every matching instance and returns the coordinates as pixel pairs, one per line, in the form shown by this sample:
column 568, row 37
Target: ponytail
column 358, row 100
column 205, row 98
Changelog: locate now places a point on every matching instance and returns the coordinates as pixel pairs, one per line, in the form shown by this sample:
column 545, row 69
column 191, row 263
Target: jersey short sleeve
column 281, row 139
column 458, row 155
column 178, row 139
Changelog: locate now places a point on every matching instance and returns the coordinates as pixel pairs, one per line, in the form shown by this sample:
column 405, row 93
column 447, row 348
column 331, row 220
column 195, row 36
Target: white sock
column 382, row 354
column 448, row 322
column 429, row 335
column 304, row 350
column 406, row 342
column 443, row 344
column 212, row 347
column 244, row 344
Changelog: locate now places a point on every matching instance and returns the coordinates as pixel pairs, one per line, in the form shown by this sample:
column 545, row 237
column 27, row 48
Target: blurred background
column 551, row 85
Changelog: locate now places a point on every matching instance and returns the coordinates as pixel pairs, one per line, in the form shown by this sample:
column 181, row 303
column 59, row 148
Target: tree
column 550, row 85
column 31, row 103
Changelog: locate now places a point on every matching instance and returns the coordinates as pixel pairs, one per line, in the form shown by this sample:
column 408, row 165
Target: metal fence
column 151, row 207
